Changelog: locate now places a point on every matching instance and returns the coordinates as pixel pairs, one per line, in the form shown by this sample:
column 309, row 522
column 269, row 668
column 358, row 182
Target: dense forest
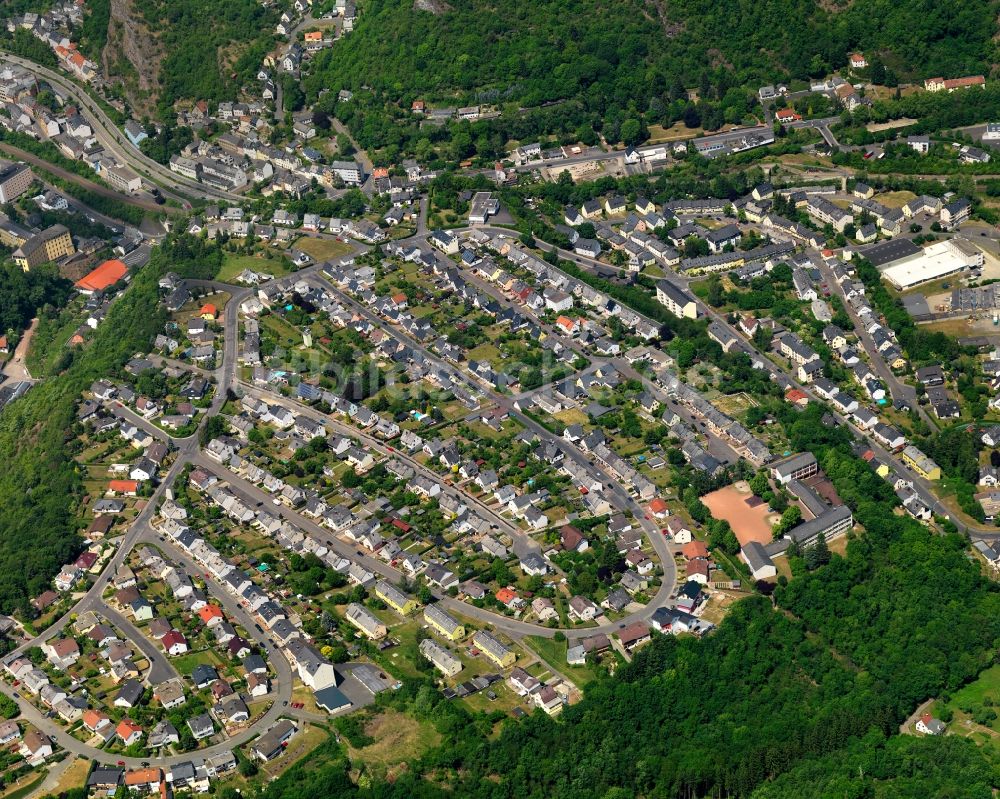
column 538, row 53
column 210, row 49
column 40, row 486
column 24, row 293
column 577, row 74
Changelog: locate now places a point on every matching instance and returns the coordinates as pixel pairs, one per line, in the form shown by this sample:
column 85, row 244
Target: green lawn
column 322, row 249
column 484, row 352
column 398, row 738
column 232, row 265
column 185, row 664
column 986, row 685
column 554, row 653
column 287, row 335
column 984, row 691
column 23, row 789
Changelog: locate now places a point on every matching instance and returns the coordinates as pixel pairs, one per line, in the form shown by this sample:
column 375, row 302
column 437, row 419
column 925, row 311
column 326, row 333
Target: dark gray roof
column 888, row 251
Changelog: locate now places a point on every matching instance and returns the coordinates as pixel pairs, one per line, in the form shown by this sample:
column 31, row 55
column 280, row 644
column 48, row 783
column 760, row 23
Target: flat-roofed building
column 122, row 178
column 934, row 262
column 15, row 180
column 797, row 467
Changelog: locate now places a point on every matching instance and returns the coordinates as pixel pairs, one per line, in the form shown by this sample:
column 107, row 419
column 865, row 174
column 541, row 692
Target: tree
column 791, row 517
column 818, row 554
column 344, row 145
column 247, row 767
column 632, row 132
column 759, row 483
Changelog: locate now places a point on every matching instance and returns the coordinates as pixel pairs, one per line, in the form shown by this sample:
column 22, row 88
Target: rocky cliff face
column 132, row 56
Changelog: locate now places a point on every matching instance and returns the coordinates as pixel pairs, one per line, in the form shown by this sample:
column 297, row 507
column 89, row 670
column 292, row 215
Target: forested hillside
column 40, row 486
column 163, row 51
column 802, row 700
column 24, row 293
column 617, row 53
column 577, row 72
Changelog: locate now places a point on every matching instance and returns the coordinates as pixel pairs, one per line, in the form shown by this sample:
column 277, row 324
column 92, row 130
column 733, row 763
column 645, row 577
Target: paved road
column 15, row 368
column 897, row 388
column 160, row 668
column 89, row 185
column 114, row 140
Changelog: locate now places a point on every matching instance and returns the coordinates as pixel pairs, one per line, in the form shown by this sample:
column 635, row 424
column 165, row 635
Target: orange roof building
column 143, row 776
column 129, row 731
column 210, row 613
column 313, row 36
column 567, row 324
column 505, row 596
column 658, row 507
column 123, row 486
column 95, row 720
column 107, row 274
column 696, row 549
column 208, row 312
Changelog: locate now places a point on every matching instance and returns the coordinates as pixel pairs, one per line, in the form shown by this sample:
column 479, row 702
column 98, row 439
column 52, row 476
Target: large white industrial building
column 911, row 266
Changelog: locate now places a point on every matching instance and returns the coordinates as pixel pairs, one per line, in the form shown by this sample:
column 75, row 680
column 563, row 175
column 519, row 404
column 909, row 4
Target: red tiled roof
column 695, row 549
column 210, row 612
column 505, row 595
column 107, row 274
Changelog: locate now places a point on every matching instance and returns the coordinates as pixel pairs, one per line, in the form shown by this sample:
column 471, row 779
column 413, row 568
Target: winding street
column 187, row 451
column 114, row 140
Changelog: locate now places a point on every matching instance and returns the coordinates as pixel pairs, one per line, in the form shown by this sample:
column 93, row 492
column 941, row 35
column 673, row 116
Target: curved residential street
column 187, row 451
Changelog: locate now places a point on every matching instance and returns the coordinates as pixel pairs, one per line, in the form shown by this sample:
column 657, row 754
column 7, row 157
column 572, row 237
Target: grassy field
column 554, row 654
column 322, row 249
column 658, row 133
column 232, row 265
column 977, row 697
column 25, row 787
column 304, row 741
column 73, row 777
column 185, row 663
column 286, row 334
column 484, row 352
column 734, row 404
column 895, row 199
column 572, row 416
column 399, row 739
